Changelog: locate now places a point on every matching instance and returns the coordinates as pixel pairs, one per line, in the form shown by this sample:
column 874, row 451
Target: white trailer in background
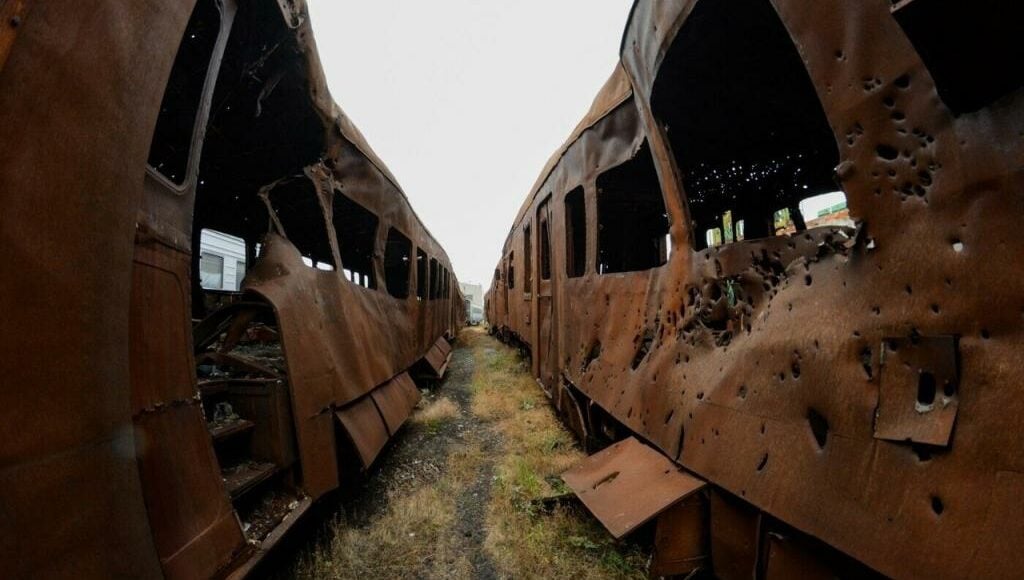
column 474, row 295
column 222, row 261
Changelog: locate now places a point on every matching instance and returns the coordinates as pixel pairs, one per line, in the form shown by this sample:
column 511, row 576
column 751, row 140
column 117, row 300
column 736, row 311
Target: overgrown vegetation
column 418, row 532
column 523, row 539
column 437, row 413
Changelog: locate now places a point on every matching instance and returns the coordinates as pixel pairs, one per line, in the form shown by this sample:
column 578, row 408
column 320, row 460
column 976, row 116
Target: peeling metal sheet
column 396, row 400
column 365, row 428
column 628, row 484
column 439, row 356
column 918, row 390
column 372, row 420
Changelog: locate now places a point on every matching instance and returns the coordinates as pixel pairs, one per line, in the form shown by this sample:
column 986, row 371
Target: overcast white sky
column 465, row 100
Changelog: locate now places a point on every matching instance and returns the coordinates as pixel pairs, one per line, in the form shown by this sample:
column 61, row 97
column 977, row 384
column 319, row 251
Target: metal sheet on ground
column 628, row 484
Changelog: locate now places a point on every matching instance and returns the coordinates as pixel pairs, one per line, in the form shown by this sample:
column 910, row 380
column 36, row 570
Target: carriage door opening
column 546, row 346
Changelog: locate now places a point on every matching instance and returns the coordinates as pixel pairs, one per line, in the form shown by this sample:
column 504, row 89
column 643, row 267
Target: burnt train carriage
column 842, row 376
column 130, row 449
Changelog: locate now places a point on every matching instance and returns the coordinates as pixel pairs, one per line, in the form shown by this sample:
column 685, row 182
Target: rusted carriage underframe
column 784, row 414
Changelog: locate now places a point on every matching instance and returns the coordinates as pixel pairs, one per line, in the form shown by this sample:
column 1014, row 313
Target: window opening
column 744, row 122
column 973, row 50
column 528, row 257
column 211, row 271
column 434, row 279
column 631, row 216
column 239, row 274
column 575, row 233
column 421, row 274
column 172, row 140
column 397, row 263
column 298, row 210
column 545, row 244
column 511, row 270
column 356, row 231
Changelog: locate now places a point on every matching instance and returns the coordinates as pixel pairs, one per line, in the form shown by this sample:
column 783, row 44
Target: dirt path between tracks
column 455, row 495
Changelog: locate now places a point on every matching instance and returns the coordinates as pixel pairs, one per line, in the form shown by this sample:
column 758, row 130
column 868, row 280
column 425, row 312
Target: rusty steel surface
column 126, row 128
column 680, row 538
column 628, row 484
column 856, row 382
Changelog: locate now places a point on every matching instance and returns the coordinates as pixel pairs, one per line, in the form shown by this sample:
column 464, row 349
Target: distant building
column 474, row 295
column 222, row 261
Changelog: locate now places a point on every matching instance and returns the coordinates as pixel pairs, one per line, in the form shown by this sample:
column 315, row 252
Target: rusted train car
column 151, row 428
column 782, row 250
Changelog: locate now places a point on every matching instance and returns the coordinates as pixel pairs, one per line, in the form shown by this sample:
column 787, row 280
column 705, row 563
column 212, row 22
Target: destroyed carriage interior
column 247, row 133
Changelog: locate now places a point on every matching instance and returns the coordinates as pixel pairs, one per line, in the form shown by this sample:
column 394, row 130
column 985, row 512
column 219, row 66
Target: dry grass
column 413, row 539
column 522, row 542
column 417, row 535
column 437, row 413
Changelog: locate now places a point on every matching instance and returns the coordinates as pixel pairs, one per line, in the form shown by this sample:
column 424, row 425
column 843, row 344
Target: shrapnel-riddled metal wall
column 849, row 389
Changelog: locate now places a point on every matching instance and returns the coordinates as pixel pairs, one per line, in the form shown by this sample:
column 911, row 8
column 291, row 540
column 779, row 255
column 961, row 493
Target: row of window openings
column 827, row 209
column 356, row 230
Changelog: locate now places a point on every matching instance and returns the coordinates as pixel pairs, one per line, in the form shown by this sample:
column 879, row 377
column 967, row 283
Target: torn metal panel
column 918, row 390
column 365, row 427
column 438, row 357
column 396, row 400
column 628, row 484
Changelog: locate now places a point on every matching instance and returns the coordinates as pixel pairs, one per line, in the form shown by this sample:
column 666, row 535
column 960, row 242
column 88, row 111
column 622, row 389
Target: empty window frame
column 744, row 122
column 575, row 233
column 421, row 274
column 397, row 263
column 528, row 259
column 435, row 275
column 511, row 270
column 527, row 256
column 211, row 271
column 973, row 50
column 298, row 210
column 356, row 231
column 239, row 274
column 171, row 147
column 631, row 217
column 545, row 242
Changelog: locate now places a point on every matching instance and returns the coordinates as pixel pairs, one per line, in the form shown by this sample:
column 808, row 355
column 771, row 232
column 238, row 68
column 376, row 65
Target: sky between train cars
column 465, row 100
